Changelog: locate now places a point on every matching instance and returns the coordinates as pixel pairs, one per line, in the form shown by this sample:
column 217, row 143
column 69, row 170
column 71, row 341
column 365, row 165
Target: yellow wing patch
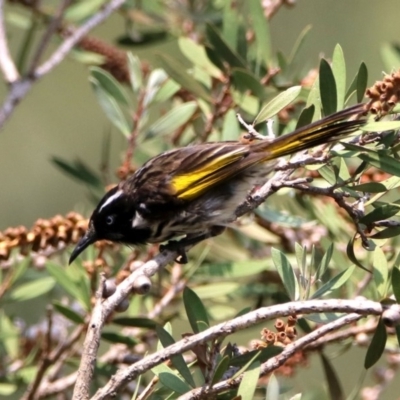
column 195, row 183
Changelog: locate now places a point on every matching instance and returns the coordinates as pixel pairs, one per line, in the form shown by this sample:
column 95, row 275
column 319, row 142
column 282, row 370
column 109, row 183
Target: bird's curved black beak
column 89, row 238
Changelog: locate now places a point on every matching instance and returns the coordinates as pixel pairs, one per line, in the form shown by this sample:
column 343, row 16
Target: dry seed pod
column 142, row 284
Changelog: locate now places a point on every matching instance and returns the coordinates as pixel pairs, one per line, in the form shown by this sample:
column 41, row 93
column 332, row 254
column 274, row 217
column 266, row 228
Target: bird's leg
column 190, row 240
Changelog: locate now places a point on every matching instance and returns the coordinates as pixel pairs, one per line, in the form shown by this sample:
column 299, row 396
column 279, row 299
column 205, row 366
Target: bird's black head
column 113, row 220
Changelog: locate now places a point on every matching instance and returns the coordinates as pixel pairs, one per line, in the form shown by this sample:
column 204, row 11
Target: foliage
column 334, row 238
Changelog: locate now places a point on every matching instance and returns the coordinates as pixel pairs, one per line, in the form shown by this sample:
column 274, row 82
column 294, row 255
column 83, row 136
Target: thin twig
column 7, row 65
column 273, row 363
column 21, row 87
column 361, row 307
column 44, row 42
column 90, row 347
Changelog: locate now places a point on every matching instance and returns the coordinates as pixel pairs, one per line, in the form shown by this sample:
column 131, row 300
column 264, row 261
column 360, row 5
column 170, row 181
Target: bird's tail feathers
column 329, row 129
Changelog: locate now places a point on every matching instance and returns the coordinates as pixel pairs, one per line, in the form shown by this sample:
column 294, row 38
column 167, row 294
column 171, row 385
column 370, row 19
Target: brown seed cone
column 115, row 59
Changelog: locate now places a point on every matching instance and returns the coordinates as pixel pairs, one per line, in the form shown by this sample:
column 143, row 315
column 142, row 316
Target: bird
column 192, row 192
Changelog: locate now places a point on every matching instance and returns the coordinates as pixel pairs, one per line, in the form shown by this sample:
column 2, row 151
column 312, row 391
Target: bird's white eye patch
column 138, row 220
column 111, row 199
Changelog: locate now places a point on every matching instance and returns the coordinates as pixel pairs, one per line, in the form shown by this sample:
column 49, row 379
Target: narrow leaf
column 380, row 272
column 278, row 103
column 380, row 213
column 111, row 108
column 135, row 322
column 248, row 385
column 177, row 360
column 362, row 82
column 334, row 385
column 195, row 310
column 334, row 283
column 377, row 346
column 31, row 290
column 172, row 120
column 68, row 313
column 109, row 84
column 323, row 265
column 178, row 73
column 115, row 337
column 286, row 273
column 396, row 283
column 327, row 88
column 339, row 72
column 174, row 383
column 222, row 48
column 262, row 31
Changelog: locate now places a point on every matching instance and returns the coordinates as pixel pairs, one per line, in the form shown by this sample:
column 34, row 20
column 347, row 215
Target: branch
column 20, row 87
column 7, row 65
column 360, row 307
column 274, row 362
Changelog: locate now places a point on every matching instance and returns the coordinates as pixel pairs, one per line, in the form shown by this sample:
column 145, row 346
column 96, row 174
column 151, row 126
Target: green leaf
column 244, row 81
column 396, row 283
column 377, row 159
column 109, row 84
column 362, row 82
column 195, row 310
column 69, row 285
column 177, row 360
column 31, row 290
column 79, row 171
column 7, row 389
column 278, row 103
column 249, row 382
column 380, row 272
column 230, row 24
column 111, row 108
column 68, row 313
column 221, row 368
column 196, row 54
column 339, row 72
column 82, row 10
column 272, row 388
column 18, row 270
column 178, row 73
column 230, row 128
column 261, row 28
column 136, row 322
column 390, row 56
column 213, row 290
column 380, row 213
column 114, row 337
column 370, row 187
column 334, row 385
column 135, row 72
column 173, row 382
column 386, row 233
column 352, row 257
column 377, row 345
column 9, row 337
column 298, row 45
column 172, row 120
column 323, row 265
column 223, row 50
column 286, row 272
column 380, row 126
column 327, row 88
column 306, row 116
column 334, row 283
column 166, row 91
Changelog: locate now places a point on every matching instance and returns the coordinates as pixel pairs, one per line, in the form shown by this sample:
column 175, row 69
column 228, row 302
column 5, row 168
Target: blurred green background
column 61, row 117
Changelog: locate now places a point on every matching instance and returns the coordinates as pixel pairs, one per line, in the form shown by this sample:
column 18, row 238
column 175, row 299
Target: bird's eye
column 110, row 220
